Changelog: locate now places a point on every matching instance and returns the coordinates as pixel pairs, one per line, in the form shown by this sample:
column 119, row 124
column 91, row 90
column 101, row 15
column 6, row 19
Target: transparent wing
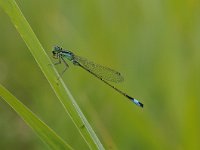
column 101, row 71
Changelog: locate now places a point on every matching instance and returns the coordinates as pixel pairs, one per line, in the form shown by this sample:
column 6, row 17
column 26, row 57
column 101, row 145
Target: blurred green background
column 153, row 44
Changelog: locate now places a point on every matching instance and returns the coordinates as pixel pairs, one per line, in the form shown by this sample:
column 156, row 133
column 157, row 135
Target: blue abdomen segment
column 137, row 102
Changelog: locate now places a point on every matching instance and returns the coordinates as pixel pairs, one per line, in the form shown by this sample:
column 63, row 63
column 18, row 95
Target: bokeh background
column 153, row 44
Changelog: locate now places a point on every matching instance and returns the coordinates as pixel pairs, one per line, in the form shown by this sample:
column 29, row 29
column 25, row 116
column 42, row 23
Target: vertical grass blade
column 63, row 94
column 42, row 130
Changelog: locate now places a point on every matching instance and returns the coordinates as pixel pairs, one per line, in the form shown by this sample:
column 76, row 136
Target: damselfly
column 103, row 73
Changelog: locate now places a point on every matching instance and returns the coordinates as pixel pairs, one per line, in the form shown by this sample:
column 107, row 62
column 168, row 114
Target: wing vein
column 101, row 71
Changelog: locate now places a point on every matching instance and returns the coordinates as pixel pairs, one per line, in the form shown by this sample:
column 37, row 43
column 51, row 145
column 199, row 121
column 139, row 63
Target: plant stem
column 59, row 87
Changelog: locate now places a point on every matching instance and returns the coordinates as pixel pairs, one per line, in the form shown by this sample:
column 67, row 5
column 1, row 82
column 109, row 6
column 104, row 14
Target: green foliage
column 51, row 74
column 42, row 130
column 153, row 44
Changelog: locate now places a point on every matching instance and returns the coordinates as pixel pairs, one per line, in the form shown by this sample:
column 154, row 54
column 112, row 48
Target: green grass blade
column 42, row 130
column 59, row 87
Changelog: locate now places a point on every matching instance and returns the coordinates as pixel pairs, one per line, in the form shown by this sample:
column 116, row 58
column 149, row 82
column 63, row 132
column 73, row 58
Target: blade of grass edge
column 46, row 134
column 59, row 87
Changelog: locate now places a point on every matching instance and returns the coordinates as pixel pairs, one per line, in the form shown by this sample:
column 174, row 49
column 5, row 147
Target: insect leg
column 59, row 60
column 66, row 66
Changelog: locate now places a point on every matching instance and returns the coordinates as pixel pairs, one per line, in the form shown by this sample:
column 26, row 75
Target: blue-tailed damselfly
column 103, row 73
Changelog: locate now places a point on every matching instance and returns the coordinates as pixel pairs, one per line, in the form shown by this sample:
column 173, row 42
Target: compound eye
column 57, row 48
column 54, row 53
